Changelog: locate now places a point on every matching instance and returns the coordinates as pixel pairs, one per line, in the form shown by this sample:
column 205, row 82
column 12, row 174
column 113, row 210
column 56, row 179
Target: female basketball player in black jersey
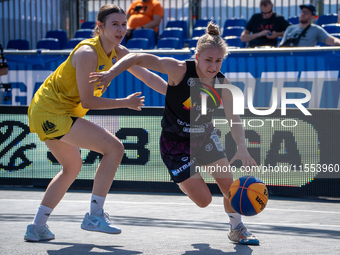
column 188, row 137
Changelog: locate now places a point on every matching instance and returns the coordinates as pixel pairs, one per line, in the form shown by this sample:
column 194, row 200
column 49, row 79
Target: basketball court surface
column 156, row 223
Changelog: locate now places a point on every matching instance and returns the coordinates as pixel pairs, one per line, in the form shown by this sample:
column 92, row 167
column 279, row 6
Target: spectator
column 306, row 34
column 144, row 14
column 264, row 28
column 3, row 63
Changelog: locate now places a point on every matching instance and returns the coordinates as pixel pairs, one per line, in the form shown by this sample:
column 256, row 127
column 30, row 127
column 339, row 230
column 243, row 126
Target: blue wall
column 316, row 70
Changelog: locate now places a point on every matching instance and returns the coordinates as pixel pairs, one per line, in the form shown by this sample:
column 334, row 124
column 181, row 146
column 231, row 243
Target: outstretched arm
column 170, row 66
column 151, row 79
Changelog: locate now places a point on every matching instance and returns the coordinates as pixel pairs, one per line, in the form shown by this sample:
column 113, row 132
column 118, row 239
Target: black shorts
column 59, row 137
column 182, row 157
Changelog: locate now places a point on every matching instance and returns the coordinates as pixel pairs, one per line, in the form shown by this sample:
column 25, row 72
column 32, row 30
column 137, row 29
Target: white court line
column 291, row 224
column 167, row 203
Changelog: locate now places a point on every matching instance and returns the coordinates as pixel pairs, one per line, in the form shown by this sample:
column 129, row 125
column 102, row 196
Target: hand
column 264, row 32
column 102, row 79
column 243, row 154
column 135, row 102
column 272, row 35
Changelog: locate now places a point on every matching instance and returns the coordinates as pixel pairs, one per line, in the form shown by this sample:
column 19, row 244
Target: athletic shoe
column 100, row 222
column 241, row 235
column 35, row 234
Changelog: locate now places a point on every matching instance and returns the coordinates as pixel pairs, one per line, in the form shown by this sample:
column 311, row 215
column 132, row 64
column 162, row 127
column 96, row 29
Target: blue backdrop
column 316, row 70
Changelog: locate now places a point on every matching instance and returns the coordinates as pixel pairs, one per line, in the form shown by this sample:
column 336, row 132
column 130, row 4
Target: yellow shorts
column 47, row 125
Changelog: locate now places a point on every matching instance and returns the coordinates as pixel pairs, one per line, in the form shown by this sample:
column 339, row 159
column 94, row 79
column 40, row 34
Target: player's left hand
column 101, row 79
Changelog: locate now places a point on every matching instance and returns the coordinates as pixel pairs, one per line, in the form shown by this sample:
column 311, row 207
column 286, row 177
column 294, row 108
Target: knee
column 73, row 168
column 204, row 201
column 119, row 149
column 226, row 186
column 114, row 147
column 78, row 164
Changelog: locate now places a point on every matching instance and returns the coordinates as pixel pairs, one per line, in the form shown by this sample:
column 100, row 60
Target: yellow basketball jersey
column 59, row 93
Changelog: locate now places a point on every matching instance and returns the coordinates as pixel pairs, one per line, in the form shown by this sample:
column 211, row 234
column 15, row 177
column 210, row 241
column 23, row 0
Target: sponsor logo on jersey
column 49, row 127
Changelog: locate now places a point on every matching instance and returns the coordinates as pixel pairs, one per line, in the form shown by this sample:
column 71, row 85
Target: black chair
column 203, row 22
column 169, row 43
column 232, row 31
column 193, row 43
column 198, row 31
column 179, row 23
column 74, row 42
column 327, row 19
column 234, row 41
column 235, row 22
column 148, row 34
column 60, row 35
column 138, row 44
column 293, row 20
column 332, row 28
column 18, row 44
column 83, row 33
column 174, row 32
column 48, row 44
column 88, row 25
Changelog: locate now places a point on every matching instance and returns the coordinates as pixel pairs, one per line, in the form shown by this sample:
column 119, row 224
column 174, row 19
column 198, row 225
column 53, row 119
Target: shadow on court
column 158, row 224
column 89, row 249
column 204, row 248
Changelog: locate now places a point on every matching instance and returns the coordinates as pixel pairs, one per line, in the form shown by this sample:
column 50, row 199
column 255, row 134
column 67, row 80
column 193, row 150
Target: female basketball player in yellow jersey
column 56, row 112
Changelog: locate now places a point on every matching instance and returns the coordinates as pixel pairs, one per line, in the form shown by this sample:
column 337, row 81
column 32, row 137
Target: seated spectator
column 264, row 28
column 306, row 34
column 3, row 63
column 144, row 14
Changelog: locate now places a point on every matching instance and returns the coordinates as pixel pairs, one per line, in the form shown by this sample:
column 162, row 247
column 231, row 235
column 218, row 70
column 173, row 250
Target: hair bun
column 212, row 29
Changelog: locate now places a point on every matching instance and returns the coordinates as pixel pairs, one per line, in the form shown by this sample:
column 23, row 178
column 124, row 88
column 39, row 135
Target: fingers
column 95, row 77
column 232, row 160
column 103, row 89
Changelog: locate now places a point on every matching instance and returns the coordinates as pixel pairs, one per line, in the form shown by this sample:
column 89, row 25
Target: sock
column 235, row 219
column 97, row 203
column 42, row 215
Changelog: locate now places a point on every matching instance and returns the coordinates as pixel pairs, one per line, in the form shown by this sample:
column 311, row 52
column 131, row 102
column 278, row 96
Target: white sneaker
column 35, row 234
column 100, row 222
column 241, row 235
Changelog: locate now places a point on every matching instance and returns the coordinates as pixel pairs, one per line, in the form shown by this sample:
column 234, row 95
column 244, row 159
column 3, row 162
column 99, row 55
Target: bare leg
column 86, row 135
column 197, row 190
column 224, row 181
column 69, row 158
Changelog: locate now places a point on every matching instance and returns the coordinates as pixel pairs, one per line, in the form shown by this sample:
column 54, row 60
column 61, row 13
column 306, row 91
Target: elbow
column 85, row 105
column 132, row 59
column 243, row 38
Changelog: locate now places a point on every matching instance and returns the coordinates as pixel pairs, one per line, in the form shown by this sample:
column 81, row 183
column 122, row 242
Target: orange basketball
column 248, row 195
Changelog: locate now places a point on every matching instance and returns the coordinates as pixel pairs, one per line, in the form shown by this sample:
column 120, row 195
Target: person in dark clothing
column 264, row 28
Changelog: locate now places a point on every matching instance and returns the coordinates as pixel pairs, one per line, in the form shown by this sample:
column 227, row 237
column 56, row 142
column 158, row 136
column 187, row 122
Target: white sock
column 97, row 203
column 42, row 215
column 235, row 219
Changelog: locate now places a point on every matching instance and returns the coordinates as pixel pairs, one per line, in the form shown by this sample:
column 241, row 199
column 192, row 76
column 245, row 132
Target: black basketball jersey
column 183, row 117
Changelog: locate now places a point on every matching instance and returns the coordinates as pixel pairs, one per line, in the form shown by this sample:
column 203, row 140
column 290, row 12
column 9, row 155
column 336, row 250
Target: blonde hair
column 105, row 11
column 212, row 39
